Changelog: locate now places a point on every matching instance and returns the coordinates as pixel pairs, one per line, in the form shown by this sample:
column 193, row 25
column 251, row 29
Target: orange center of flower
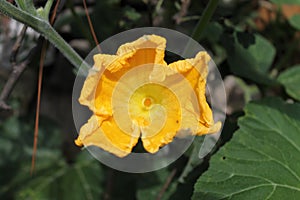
column 147, row 102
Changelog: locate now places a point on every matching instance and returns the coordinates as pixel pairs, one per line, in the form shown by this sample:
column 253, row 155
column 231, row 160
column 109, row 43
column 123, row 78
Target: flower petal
column 195, row 71
column 161, row 131
column 107, row 136
column 87, row 96
column 147, row 49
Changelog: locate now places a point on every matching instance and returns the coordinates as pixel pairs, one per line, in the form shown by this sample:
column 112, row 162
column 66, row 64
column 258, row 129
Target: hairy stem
column 43, row 27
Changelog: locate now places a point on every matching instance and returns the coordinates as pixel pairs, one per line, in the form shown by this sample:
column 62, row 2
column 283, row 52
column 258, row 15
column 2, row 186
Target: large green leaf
column 261, row 161
column 81, row 180
column 250, row 56
column 290, row 79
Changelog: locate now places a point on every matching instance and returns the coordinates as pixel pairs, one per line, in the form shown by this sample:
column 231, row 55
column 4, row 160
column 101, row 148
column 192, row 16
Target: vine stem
column 38, row 103
column 91, row 26
column 202, row 23
column 205, row 18
column 166, row 184
column 43, row 27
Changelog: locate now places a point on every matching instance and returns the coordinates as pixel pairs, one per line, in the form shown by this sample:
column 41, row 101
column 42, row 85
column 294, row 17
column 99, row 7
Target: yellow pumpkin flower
column 136, row 94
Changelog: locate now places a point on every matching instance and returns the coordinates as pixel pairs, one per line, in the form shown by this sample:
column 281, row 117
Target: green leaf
column 213, row 32
column 292, row 2
column 290, row 79
column 59, row 180
column 261, row 161
column 295, row 21
column 251, row 57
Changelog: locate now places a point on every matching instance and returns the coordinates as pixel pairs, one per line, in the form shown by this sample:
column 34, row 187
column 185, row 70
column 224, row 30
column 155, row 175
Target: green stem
column 45, row 29
column 203, row 21
column 201, row 25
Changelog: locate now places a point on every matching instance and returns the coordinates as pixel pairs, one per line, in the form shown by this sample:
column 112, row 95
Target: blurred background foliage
column 255, row 44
